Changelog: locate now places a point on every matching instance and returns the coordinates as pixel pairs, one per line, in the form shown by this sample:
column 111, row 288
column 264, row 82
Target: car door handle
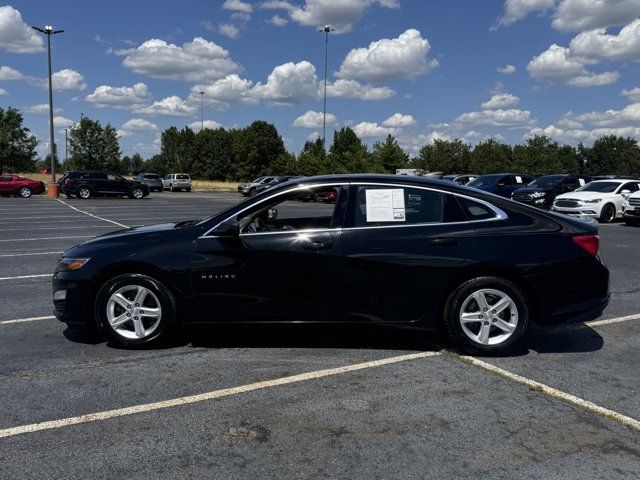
column 314, row 245
column 443, row 242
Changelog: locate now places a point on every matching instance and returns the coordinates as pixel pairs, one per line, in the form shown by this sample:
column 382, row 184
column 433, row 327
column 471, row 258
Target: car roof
column 616, row 180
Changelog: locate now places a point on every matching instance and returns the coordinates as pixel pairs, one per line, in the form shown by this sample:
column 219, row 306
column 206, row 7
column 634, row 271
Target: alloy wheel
column 134, row 312
column 25, row 192
column 488, row 316
column 608, row 214
column 84, row 193
column 137, row 193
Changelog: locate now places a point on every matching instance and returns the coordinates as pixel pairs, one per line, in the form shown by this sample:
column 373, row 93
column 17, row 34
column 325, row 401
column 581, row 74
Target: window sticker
column 518, row 179
column 385, row 205
column 581, row 181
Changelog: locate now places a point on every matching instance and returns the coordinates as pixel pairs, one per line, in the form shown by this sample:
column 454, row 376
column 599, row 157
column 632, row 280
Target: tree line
column 258, row 149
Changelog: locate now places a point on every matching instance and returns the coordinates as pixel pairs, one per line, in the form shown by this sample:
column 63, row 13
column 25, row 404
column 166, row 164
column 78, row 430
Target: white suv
column 601, row 199
column 631, row 209
column 177, row 181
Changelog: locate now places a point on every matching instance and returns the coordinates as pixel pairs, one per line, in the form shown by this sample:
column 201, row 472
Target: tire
column 493, row 333
column 171, row 187
column 84, row 193
column 68, row 195
column 187, row 189
column 25, row 192
column 137, row 193
column 607, row 214
column 252, row 192
column 127, row 326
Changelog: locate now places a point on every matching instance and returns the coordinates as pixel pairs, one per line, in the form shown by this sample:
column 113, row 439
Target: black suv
column 89, row 183
column 543, row 190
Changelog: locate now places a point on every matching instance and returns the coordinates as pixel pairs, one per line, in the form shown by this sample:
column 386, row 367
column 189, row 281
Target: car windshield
column 485, row 181
column 603, row 187
column 258, row 180
column 152, row 177
column 547, row 182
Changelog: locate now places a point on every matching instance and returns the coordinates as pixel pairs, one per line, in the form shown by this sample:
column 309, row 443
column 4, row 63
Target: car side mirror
column 272, row 213
column 625, row 192
column 228, row 228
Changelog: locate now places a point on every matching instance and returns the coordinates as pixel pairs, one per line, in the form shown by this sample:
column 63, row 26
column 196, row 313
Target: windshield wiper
column 186, row 223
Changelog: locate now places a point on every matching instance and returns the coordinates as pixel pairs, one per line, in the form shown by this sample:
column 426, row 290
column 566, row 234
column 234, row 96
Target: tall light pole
column 48, row 31
column 327, row 29
column 202, row 111
column 66, row 145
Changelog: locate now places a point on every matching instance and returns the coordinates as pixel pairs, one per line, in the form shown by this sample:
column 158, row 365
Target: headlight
column 68, row 263
column 595, row 200
column 538, row 194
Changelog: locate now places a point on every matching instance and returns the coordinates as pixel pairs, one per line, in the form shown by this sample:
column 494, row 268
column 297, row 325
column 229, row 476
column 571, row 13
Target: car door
column 6, row 185
column 282, row 266
column 401, row 246
column 116, row 184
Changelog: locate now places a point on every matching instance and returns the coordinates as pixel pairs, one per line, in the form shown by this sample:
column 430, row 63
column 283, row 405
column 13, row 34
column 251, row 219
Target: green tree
column 312, row 159
column 136, row 164
column 94, row 146
column 490, row 156
column 613, row 155
column 17, row 146
column 215, row 154
column 444, row 156
column 255, row 149
column 125, row 165
column 539, row 156
column 348, row 154
column 389, row 155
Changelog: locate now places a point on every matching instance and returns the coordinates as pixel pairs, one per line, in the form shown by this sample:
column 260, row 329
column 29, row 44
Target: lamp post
column 327, row 29
column 48, row 31
column 66, row 145
column 202, row 111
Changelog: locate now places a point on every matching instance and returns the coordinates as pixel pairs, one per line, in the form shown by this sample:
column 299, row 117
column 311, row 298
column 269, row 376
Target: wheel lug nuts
column 137, row 304
column 128, row 314
column 485, row 309
column 141, row 312
column 486, row 323
column 129, row 306
column 494, row 320
column 493, row 311
column 135, row 318
column 480, row 316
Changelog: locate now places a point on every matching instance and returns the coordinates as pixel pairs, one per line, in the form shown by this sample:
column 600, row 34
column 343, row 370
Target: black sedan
column 405, row 251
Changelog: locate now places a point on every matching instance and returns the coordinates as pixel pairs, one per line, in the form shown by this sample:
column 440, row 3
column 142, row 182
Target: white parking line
column 609, row 321
column 225, row 392
column 29, row 254
column 43, row 238
column 91, row 214
column 20, row 277
column 552, row 392
column 24, row 320
column 35, row 229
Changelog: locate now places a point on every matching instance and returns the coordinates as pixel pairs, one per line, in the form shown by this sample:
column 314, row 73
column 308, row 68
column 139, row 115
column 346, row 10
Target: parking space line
column 35, row 229
column 550, row 391
column 43, row 238
column 20, row 277
column 29, row 254
column 592, row 323
column 91, row 214
column 609, row 321
column 225, row 392
column 24, row 320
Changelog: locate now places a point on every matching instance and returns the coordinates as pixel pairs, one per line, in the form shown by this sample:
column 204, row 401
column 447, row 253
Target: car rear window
column 182, row 177
column 152, row 177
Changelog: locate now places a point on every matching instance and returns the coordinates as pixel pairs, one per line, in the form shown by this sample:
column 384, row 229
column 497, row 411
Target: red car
column 19, row 186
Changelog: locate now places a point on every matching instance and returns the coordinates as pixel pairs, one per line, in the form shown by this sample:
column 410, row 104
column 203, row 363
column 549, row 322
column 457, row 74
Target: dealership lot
column 405, row 407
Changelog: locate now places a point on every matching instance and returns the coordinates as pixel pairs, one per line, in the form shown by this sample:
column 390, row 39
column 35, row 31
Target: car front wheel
column 25, row 192
column 136, row 193
column 134, row 309
column 608, row 213
column 486, row 315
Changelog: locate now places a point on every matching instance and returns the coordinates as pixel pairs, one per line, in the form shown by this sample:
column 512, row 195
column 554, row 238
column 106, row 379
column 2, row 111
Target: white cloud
column 210, row 124
column 60, row 122
column 313, row 136
column 500, row 100
column 8, row 73
column 237, row 6
column 120, row 97
column 559, row 64
column 123, row 133
column 506, row 70
column 3, row 92
column 402, row 57
column 311, row 119
column 497, row 118
column 139, row 125
column 398, row 120
column 290, row 83
column 15, row 35
column 67, row 79
column 172, row 106
column 612, row 118
column 515, row 10
column 632, row 94
column 341, row 15
column 347, row 88
column 598, row 45
column 228, row 30
column 198, row 60
column 372, row 130
column 41, row 109
column 219, row 94
column 278, row 21
column 580, row 15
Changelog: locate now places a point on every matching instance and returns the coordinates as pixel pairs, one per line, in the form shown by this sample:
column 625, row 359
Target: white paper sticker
column 581, row 182
column 385, row 205
column 518, row 179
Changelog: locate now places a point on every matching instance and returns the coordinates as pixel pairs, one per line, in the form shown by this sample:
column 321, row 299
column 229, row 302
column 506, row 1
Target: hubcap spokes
column 488, row 316
column 134, row 312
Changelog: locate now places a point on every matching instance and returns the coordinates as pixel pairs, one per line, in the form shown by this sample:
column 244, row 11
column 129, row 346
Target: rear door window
column 476, row 210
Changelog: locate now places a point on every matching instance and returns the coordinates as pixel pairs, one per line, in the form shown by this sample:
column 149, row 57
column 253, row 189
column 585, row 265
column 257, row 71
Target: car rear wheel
column 134, row 309
column 25, row 192
column 187, row 189
column 84, row 193
column 136, row 193
column 608, row 213
column 171, row 189
column 486, row 315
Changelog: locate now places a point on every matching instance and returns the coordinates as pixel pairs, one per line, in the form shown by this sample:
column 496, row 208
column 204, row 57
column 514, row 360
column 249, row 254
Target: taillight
column 589, row 243
column 67, row 181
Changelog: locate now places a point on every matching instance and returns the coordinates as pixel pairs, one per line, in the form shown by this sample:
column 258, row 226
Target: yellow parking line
column 225, row 392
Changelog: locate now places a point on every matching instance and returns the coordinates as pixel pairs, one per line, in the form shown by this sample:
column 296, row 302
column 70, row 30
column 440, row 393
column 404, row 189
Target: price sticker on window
column 385, row 205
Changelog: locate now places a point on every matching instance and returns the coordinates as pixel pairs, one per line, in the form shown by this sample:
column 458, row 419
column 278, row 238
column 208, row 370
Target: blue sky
column 417, row 69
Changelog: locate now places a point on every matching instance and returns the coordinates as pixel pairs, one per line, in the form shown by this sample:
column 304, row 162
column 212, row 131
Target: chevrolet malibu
column 405, row 251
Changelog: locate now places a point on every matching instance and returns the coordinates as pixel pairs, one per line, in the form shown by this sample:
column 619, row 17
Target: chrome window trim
column 500, row 214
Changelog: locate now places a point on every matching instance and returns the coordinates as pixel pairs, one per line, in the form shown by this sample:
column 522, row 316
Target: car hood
column 585, row 195
column 149, row 231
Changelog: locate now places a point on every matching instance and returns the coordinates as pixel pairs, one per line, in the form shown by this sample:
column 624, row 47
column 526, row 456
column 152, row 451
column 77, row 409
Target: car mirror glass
column 272, row 214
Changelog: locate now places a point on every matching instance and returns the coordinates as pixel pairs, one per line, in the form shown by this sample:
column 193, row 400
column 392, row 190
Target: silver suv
column 177, row 181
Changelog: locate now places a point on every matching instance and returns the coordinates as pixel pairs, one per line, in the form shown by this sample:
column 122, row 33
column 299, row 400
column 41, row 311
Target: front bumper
column 77, row 307
column 580, row 211
column 631, row 212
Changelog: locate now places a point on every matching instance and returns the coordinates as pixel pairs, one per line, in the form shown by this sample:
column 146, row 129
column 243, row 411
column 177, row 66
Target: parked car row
column 17, row 186
column 261, row 184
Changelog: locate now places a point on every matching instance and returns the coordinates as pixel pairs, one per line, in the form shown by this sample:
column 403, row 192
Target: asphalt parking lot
column 300, row 402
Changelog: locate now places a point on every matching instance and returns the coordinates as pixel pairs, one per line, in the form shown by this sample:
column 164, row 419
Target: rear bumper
column 580, row 312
